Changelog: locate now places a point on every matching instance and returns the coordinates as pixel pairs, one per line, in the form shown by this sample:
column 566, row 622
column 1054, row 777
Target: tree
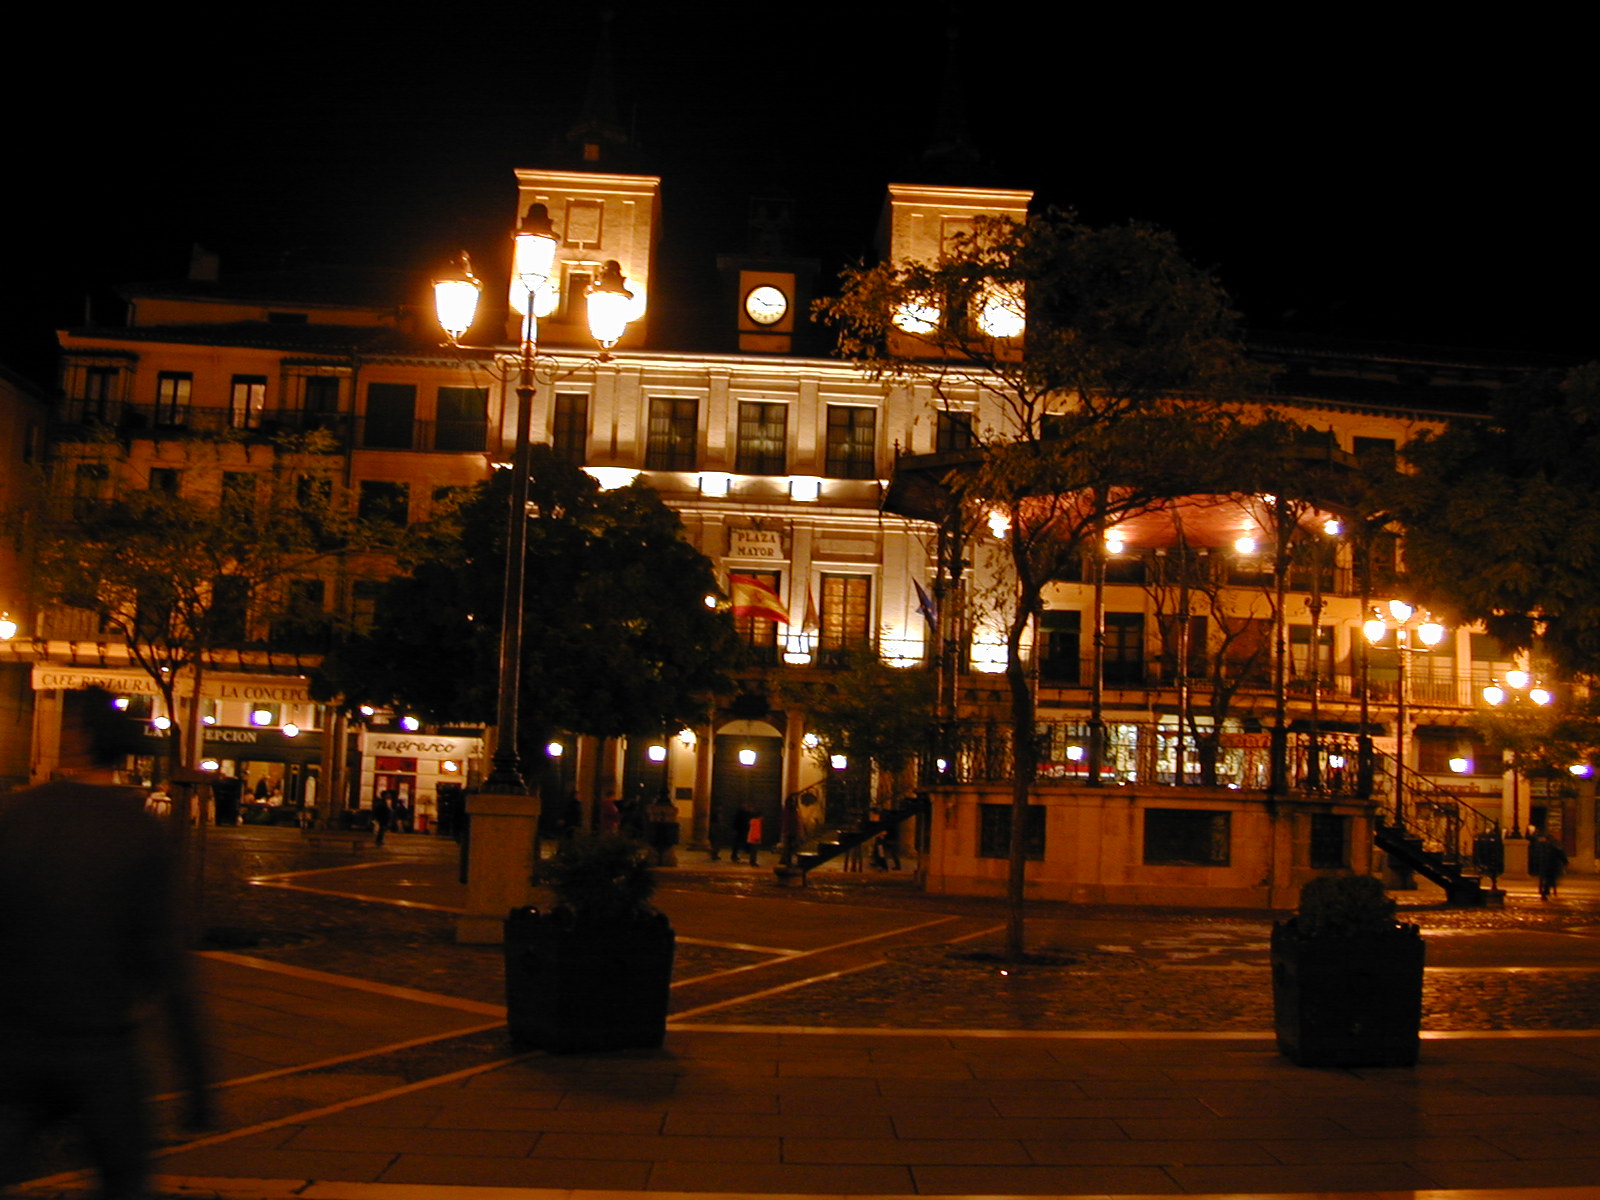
column 618, row 639
column 179, row 576
column 869, row 712
column 1502, row 518
column 1094, row 358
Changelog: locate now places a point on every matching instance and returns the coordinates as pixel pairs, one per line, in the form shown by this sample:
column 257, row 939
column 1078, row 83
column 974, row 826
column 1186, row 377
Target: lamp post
column 1404, row 620
column 456, row 296
column 1519, row 691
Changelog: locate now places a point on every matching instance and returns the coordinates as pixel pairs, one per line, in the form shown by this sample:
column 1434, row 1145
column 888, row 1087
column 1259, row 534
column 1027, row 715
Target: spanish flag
column 754, row 598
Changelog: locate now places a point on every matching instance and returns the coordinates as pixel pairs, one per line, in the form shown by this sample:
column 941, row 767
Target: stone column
column 499, row 863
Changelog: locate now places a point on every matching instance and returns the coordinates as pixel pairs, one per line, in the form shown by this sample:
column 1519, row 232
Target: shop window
column 763, row 438
column 994, row 831
column 1186, row 837
column 672, row 434
column 852, row 442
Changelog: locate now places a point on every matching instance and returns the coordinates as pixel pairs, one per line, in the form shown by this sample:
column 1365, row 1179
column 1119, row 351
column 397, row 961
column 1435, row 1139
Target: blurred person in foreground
column 90, row 952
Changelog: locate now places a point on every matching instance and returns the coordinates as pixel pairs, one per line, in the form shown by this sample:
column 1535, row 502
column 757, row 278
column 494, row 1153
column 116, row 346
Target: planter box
column 1348, row 1002
column 575, row 988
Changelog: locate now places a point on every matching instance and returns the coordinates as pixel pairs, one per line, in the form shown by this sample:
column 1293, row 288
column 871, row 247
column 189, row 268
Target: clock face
column 766, row 305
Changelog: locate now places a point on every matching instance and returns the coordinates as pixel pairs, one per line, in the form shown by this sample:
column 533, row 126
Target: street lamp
column 1518, row 692
column 1404, row 620
column 456, row 295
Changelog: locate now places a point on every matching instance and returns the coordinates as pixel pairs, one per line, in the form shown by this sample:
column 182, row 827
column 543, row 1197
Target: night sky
column 1381, row 178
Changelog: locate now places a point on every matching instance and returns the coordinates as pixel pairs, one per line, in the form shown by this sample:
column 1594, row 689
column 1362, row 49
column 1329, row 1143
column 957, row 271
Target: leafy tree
column 1098, row 408
column 178, row 576
column 1502, row 518
column 617, row 637
column 870, row 712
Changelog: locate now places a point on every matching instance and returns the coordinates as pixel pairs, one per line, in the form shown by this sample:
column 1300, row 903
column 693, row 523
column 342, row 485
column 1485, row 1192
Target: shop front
column 422, row 774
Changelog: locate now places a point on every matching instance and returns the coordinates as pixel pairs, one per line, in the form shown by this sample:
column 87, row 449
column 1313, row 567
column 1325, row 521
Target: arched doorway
column 747, row 768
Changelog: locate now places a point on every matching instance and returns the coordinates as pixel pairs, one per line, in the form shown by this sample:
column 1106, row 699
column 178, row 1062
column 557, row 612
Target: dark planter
column 573, row 987
column 1347, row 1001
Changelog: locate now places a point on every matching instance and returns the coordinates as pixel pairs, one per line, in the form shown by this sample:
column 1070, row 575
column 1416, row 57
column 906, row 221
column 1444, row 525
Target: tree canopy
column 1502, row 518
column 617, row 636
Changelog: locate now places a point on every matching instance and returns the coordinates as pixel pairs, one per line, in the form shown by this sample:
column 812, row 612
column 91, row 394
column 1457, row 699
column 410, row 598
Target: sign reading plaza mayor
column 278, row 690
column 755, row 543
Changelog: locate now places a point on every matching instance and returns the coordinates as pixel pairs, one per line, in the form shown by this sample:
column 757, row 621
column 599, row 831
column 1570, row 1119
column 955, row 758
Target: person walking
column 1549, row 862
column 88, row 936
column 381, row 813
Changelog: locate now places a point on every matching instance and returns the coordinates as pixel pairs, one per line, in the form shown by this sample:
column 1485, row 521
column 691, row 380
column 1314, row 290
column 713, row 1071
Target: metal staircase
column 1441, row 837
column 841, row 838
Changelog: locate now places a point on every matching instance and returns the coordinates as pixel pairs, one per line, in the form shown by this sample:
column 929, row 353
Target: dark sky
column 1372, row 178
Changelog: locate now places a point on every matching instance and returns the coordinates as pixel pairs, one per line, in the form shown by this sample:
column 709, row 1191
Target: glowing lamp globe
column 455, row 298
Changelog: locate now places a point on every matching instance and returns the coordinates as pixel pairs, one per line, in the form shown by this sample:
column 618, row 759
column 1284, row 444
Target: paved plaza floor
column 824, row 1044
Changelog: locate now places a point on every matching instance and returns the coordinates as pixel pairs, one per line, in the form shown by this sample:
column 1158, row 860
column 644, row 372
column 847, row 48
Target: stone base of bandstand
column 500, row 863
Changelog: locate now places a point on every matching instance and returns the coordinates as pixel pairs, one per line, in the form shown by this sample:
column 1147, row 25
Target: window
column 1198, row 663
column 230, row 611
column 247, row 401
column 672, row 435
column 238, row 493
column 1330, row 841
column 1125, row 568
column 576, row 306
column 1374, row 451
column 97, row 388
column 172, row 397
column 1059, row 632
column 1300, row 652
column 384, row 502
column 302, row 625
column 1246, row 645
column 953, row 431
column 89, row 488
column 763, row 438
column 321, row 394
column 569, row 430
column 364, row 594
column 846, row 614
column 994, row 831
column 759, row 633
column 164, row 480
column 1186, row 837
column 391, row 413
column 1124, row 660
column 852, row 442
column 463, row 419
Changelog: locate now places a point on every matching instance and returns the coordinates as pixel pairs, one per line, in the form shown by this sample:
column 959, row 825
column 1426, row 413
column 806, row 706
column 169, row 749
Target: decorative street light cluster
column 1518, row 691
column 1404, row 620
column 611, row 306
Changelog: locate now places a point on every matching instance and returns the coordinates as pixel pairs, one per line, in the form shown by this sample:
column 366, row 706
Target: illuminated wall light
column 555, row 749
column 715, row 483
column 210, row 764
column 999, row 523
column 120, row 704
column 208, row 719
column 410, row 724
column 687, row 739
column 1074, row 753
column 367, row 710
column 1581, row 770
column 8, row 627
column 1115, row 544
column 656, row 754
column 290, row 729
column 805, row 487
column 989, row 658
column 838, row 762
column 712, row 602
column 1461, row 766
column 1245, row 545
column 1336, row 761
column 1332, row 527
column 261, row 716
column 811, row 741
column 612, row 478
column 747, row 758
column 450, row 767
column 943, row 764
column 162, row 723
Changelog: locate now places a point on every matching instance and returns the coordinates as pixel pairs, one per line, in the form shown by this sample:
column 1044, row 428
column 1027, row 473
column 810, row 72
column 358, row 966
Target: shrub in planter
column 593, row 973
column 1347, row 978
